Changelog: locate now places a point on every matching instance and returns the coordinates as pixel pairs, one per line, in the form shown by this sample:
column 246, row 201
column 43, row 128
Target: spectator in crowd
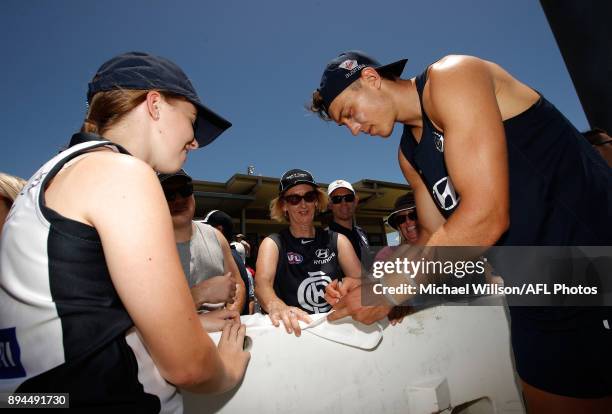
column 404, row 220
column 240, row 238
column 204, row 252
column 223, row 222
column 93, row 300
column 295, row 265
column 602, row 142
column 10, row 187
column 343, row 201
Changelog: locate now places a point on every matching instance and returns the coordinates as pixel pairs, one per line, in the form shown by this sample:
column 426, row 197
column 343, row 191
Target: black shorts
column 564, row 351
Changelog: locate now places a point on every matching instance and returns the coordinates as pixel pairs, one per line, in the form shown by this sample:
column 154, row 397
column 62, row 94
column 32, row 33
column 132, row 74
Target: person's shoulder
column 456, row 76
column 111, row 175
column 112, row 165
column 208, row 229
column 453, row 63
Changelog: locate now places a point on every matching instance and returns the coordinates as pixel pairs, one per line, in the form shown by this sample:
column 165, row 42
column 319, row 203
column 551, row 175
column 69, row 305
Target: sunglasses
column 185, row 191
column 349, row 198
column 396, row 220
column 295, row 199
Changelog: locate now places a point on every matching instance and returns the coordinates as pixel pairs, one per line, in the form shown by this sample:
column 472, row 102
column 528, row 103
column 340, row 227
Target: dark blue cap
column 137, row 70
column 346, row 68
column 179, row 174
column 294, row 177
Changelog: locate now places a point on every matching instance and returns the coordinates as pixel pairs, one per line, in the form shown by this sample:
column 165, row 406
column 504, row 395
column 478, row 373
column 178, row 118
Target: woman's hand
column 289, row 315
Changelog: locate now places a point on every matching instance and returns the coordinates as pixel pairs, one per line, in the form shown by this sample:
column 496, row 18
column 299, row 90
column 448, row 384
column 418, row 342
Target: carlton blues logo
column 294, row 258
column 311, row 292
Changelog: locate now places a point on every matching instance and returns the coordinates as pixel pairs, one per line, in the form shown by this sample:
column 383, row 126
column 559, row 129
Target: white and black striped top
column 63, row 327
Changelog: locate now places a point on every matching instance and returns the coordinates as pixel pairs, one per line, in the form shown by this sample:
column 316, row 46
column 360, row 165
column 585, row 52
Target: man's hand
column 216, row 320
column 350, row 305
column 339, row 288
column 218, row 289
column 396, row 316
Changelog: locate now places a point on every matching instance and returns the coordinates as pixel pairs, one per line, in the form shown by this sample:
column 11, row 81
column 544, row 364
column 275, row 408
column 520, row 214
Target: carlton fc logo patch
column 294, row 258
column 348, row 64
column 439, row 141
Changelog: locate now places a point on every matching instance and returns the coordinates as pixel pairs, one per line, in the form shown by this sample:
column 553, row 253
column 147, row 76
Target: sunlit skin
column 301, row 216
column 170, row 135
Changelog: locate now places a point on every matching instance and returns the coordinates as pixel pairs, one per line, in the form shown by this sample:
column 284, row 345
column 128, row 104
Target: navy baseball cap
column 179, row 174
column 346, row 68
column 137, row 70
column 219, row 218
column 294, row 177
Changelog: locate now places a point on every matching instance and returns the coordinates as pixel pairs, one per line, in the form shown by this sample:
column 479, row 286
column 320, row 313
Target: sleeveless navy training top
column 560, row 188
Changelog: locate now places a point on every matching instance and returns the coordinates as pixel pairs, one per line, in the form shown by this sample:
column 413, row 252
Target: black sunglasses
column 602, row 143
column 185, row 191
column 349, row 198
column 401, row 218
column 295, row 199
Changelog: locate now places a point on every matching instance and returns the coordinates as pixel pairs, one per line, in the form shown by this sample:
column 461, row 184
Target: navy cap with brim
column 179, row 174
column 339, row 74
column 137, row 70
column 294, row 177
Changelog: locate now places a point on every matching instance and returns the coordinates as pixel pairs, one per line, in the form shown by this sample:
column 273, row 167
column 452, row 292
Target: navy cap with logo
column 346, row 69
column 137, row 70
column 294, row 177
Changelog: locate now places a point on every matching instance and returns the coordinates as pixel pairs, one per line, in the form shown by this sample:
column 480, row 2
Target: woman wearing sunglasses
column 295, row 265
column 404, row 220
column 93, row 300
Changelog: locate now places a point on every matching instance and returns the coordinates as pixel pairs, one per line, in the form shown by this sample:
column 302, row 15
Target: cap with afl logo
column 346, row 69
column 294, row 177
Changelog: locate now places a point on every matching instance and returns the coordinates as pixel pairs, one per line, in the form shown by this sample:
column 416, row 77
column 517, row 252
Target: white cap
column 339, row 184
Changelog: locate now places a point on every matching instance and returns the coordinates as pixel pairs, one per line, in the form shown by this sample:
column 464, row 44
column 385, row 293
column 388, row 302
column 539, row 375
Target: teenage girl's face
column 364, row 109
column 176, row 131
column 302, row 213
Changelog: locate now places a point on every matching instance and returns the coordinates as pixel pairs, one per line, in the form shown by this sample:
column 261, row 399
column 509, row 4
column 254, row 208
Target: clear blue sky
column 256, row 63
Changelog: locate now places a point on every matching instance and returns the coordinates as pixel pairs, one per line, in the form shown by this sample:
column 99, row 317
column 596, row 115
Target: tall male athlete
column 491, row 162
